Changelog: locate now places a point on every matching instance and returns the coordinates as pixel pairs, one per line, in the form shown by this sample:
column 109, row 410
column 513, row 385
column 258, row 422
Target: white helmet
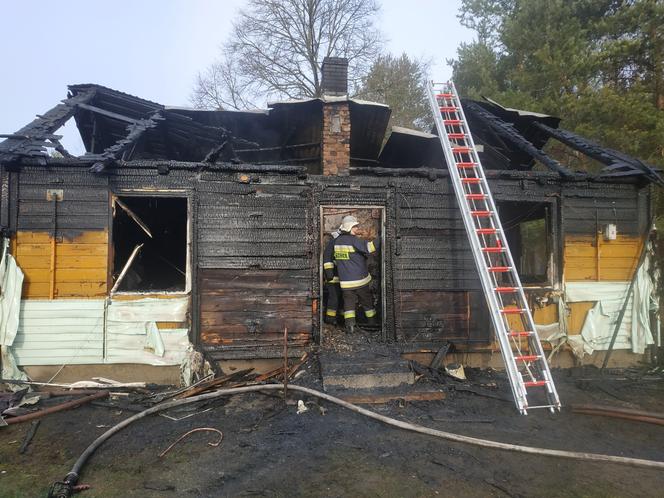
column 348, row 222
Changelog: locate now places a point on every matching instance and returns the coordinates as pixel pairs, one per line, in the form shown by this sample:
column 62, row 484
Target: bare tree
column 277, row 46
column 222, row 86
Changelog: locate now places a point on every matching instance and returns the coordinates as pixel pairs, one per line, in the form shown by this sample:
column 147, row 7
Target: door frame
column 321, row 234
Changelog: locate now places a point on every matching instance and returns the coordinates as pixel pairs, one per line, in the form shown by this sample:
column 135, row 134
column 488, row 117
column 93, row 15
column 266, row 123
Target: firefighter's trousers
column 351, row 297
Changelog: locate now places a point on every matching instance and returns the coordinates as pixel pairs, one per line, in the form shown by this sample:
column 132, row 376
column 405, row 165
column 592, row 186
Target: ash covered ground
column 270, row 450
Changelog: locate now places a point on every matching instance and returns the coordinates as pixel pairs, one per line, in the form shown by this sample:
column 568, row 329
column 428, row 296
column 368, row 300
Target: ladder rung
column 499, row 269
column 493, row 249
column 486, row 231
column 456, row 136
column 513, row 311
column 471, row 180
column 527, row 357
column 445, row 96
column 506, row 289
column 462, row 150
column 519, row 334
column 476, row 197
column 481, row 214
column 448, row 109
column 535, row 383
column 466, row 165
column 452, row 122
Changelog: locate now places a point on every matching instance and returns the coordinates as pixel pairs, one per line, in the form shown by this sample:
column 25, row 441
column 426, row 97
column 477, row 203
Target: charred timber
column 618, row 164
column 430, row 173
column 508, row 132
column 136, row 131
column 41, row 128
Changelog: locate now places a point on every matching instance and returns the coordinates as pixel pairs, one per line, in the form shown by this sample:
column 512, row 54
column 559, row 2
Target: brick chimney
column 335, row 148
column 334, row 76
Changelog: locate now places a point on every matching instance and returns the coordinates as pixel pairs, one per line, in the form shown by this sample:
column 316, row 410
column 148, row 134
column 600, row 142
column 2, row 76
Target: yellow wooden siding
column 542, row 316
column 617, row 258
column 546, row 315
column 81, row 264
column 577, row 315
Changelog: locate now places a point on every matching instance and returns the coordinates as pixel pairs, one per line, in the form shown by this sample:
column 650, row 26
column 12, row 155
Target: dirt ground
column 270, row 450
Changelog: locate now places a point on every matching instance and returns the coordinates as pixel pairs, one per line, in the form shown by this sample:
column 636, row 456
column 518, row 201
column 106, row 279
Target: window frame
column 554, row 249
column 171, row 193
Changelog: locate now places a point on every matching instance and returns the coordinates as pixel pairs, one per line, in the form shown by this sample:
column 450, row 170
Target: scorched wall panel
column 437, row 291
column 255, row 260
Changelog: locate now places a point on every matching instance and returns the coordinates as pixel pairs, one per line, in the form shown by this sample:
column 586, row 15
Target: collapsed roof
column 117, row 127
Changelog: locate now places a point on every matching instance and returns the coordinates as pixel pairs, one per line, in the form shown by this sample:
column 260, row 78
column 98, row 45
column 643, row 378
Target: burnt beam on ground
column 617, row 163
column 508, row 132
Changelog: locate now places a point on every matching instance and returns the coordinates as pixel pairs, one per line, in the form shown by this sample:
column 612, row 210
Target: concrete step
column 364, row 370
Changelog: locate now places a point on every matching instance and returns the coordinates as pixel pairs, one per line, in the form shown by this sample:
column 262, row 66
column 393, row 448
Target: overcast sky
column 154, row 48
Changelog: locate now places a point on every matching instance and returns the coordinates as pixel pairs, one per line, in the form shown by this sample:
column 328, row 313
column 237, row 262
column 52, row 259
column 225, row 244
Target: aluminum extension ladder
column 520, row 346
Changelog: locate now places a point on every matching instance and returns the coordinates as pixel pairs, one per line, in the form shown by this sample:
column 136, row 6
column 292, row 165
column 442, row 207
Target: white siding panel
column 72, row 332
column 149, row 310
column 132, row 348
column 60, row 331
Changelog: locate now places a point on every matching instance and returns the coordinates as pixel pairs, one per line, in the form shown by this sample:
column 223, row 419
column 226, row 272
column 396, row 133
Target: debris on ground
column 301, row 407
column 29, row 436
column 25, row 405
column 260, row 426
column 618, row 412
column 198, row 429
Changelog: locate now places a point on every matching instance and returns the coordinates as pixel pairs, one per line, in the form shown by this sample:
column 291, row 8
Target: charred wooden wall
column 255, row 243
column 438, row 294
column 255, row 260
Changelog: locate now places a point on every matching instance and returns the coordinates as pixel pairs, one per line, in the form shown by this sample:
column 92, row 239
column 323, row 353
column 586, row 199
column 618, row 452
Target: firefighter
column 350, row 257
column 331, row 281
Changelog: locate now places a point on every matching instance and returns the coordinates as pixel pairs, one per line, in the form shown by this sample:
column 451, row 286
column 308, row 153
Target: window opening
column 149, row 244
column 527, row 231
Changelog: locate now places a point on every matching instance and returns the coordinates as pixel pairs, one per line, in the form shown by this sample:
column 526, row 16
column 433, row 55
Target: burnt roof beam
column 33, row 134
column 215, row 152
column 135, row 132
column 108, row 114
column 508, row 132
column 617, row 163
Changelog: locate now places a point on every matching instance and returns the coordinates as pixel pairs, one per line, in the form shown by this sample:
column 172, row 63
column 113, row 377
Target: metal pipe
column 58, row 408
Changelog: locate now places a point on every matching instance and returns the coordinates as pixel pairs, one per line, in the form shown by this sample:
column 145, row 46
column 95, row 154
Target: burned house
column 182, row 229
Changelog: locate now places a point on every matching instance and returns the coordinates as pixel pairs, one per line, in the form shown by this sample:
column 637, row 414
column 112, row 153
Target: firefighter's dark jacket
column 348, row 254
column 329, row 268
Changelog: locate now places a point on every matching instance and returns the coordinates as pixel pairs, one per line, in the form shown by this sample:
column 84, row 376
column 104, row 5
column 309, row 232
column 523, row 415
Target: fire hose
column 64, row 488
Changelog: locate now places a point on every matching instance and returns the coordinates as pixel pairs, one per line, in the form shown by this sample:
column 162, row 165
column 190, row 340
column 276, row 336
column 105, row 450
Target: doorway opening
column 371, row 226
column 150, row 240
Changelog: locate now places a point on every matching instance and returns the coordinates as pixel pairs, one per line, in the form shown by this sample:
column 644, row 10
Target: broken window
column 149, row 244
column 528, row 233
